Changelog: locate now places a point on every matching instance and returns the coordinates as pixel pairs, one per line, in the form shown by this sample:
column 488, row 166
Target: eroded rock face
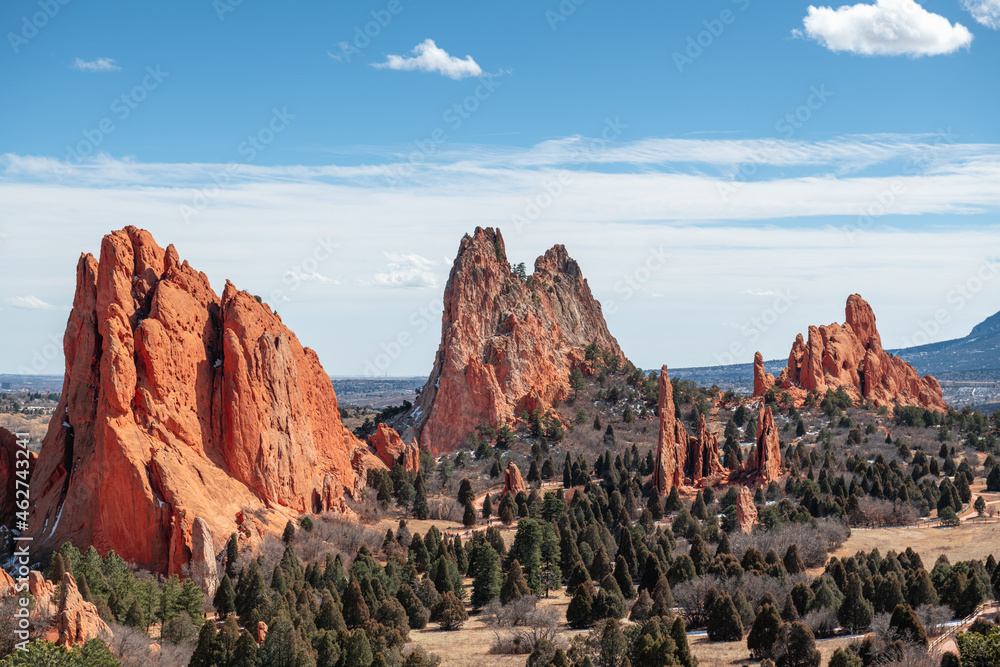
column 762, row 380
column 392, row 450
column 703, row 455
column 850, row 355
column 77, row 620
column 180, row 404
column 766, row 465
column 746, row 511
column 204, row 569
column 513, row 483
column 671, row 448
column 508, row 345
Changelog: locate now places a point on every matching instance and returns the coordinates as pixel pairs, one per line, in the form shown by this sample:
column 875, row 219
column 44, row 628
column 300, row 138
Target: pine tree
column 724, row 623
column 469, row 517
column 487, row 507
column 449, row 612
column 416, row 614
column 329, row 616
column 137, row 618
column 421, row 510
column 465, row 492
column 246, row 652
column 514, row 585
column 844, row 658
column 800, row 647
column 624, row 578
column 84, row 588
column 855, row 613
column 58, row 569
column 580, row 609
column 682, row 650
column 232, row 557
column 289, row 533
column 907, row 626
column 225, row 598
column 764, row 632
column 206, row 654
column 654, row 505
column 356, row 612
column 792, row 561
column 486, row 585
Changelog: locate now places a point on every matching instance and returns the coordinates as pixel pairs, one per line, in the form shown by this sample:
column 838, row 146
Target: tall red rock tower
column 178, row 404
column 508, row 344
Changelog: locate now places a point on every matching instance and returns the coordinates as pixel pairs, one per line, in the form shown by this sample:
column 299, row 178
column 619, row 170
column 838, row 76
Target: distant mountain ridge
column 979, row 351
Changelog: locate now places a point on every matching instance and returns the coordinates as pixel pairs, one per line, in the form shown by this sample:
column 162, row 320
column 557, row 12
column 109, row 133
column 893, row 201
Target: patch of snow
column 218, row 362
column 67, row 425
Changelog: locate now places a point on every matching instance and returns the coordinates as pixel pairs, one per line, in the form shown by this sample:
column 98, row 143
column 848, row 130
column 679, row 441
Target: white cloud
column 308, row 277
column 429, row 57
column 887, row 28
column 29, row 302
column 96, row 65
column 986, row 12
column 407, row 270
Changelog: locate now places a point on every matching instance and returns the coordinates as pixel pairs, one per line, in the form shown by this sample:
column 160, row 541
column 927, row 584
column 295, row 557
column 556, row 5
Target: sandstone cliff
column 179, row 404
column 508, row 344
column 850, row 355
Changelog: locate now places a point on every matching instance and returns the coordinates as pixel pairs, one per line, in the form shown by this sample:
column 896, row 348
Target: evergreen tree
column 486, row 583
column 844, row 658
column 654, row 505
column 855, row 613
column 465, row 492
column 469, row 516
column 514, row 585
column 232, row 557
column 289, row 533
column 58, row 569
column 245, row 654
column 724, row 623
column 624, row 578
column 487, row 507
column 764, row 632
column 421, row 510
column 792, row 561
column 449, row 612
column 578, row 614
column 800, row 647
column 414, row 608
column 225, row 598
column 137, row 618
column 682, row 650
column 356, row 612
column 330, row 616
column 907, row 626
column 357, row 649
column 84, row 588
column 206, row 654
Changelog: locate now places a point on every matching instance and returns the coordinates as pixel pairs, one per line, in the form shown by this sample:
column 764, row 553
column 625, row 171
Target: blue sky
column 743, row 139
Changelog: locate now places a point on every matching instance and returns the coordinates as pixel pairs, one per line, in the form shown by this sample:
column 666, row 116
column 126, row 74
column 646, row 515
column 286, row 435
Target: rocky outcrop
column 204, row 569
column 6, row 585
column 77, row 620
column 703, row 456
column 766, row 464
column 392, row 450
column 762, row 380
column 513, row 483
column 746, row 511
column 681, row 459
column 261, row 632
column 179, row 404
column 508, row 343
column 850, row 356
column 671, row 448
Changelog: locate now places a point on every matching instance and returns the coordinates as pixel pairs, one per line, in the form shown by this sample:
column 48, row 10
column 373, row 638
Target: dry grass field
column 972, row 539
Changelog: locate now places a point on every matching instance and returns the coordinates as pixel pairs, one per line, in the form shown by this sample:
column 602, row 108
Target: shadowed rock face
column 179, row 404
column 508, row 345
column 766, row 465
column 8, row 472
column 850, row 355
column 762, row 380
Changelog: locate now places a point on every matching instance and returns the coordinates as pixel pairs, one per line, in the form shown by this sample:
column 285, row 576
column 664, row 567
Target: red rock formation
column 513, row 483
column 392, row 450
column 179, row 404
column 204, row 569
column 671, row 449
column 6, row 584
column 746, row 511
column 703, row 455
column 77, row 620
column 766, row 465
column 261, row 632
column 851, row 356
column 507, row 345
column 762, row 380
